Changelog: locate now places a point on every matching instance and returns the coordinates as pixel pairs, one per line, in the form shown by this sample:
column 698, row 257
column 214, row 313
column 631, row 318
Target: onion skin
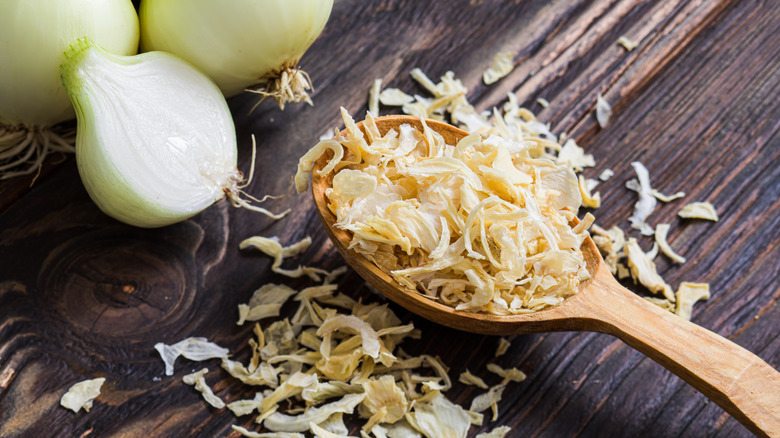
column 34, row 34
column 238, row 43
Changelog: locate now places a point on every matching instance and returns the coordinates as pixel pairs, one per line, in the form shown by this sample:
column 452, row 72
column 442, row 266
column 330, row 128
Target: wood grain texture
column 82, row 296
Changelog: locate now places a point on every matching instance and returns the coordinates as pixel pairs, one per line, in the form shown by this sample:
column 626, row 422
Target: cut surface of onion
column 155, row 140
column 33, row 36
column 240, row 44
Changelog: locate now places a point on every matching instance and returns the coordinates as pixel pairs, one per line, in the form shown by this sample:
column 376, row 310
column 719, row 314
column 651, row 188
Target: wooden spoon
column 736, row 379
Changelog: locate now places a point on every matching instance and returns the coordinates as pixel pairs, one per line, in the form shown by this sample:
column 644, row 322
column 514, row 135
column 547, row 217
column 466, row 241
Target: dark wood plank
column 696, row 102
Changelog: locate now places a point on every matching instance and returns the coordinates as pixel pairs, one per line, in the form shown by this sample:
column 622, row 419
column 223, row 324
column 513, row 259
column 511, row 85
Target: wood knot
column 119, row 284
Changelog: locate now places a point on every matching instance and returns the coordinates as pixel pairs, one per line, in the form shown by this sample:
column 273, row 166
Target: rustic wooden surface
column 82, row 296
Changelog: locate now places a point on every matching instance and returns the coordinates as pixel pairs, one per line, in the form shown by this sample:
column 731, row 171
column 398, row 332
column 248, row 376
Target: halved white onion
column 155, row 141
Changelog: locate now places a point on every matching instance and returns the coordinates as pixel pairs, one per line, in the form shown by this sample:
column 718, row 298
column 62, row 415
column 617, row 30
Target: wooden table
column 82, row 296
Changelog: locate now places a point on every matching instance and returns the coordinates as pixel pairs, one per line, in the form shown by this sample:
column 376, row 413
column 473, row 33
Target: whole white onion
column 34, row 34
column 239, row 43
column 33, row 37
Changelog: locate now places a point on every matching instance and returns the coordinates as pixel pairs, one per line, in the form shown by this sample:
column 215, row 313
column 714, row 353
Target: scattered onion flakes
column 589, row 199
column 667, row 198
column 271, row 246
column 373, row 96
column 573, row 156
column 325, row 362
column 603, row 111
column 394, row 97
column 627, row 43
column 467, row 378
column 197, row 380
column 503, row 346
column 688, row 294
column 384, row 402
column 82, row 394
column 250, row 434
column 653, row 253
column 509, row 374
column 606, row 174
column 488, row 400
column 279, row 422
column 622, row 271
column 320, row 432
column 498, row 432
column 699, row 210
column 440, row 417
column 646, row 203
column 660, row 238
column 449, row 96
column 502, row 66
column 246, row 406
column 662, row 303
column 266, row 302
column 643, row 270
column 611, row 243
column 197, row 349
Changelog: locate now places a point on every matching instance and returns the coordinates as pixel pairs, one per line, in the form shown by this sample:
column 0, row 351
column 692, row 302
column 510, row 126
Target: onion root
column 23, row 149
column 289, row 84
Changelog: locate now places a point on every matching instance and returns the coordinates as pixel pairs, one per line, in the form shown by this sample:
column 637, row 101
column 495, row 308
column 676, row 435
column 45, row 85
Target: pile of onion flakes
column 483, row 226
column 336, row 357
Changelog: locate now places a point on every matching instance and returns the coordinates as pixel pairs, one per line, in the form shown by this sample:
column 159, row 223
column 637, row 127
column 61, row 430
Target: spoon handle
column 737, row 380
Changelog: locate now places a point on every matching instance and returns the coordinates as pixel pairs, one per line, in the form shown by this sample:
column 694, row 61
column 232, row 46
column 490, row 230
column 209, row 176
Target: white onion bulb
column 155, row 140
column 239, row 43
column 33, row 36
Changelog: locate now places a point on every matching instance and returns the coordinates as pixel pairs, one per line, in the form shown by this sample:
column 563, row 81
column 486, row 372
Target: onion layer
column 239, row 43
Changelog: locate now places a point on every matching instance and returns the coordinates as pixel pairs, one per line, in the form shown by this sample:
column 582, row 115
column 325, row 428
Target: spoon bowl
column 736, row 379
